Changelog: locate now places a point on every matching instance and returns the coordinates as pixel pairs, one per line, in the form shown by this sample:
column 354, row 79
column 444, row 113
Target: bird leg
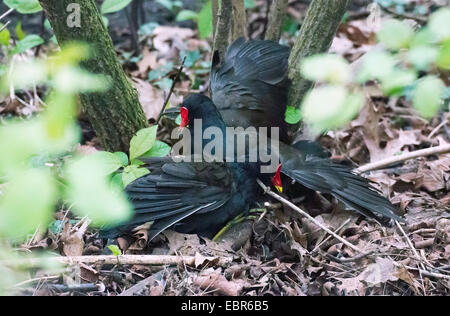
column 238, row 219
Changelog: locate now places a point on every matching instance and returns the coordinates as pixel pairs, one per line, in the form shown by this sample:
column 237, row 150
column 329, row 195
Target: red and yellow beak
column 276, row 180
column 184, row 117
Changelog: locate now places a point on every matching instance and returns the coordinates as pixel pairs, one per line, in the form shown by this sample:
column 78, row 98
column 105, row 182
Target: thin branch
column 303, row 213
column 410, row 244
column 123, row 260
column 396, row 159
column 177, row 77
column 4, row 26
column 6, row 14
column 84, row 287
column 434, row 275
column 329, row 237
column 418, row 19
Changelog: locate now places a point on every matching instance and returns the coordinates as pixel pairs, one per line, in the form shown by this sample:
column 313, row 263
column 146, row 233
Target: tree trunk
column 275, row 19
column 223, row 27
column 239, row 25
column 116, row 115
column 215, row 12
column 316, row 35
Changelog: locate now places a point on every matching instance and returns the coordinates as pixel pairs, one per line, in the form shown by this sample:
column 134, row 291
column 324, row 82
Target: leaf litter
column 285, row 254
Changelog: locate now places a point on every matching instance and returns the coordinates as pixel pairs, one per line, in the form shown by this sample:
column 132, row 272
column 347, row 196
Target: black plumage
column 250, row 88
column 253, row 80
column 189, row 197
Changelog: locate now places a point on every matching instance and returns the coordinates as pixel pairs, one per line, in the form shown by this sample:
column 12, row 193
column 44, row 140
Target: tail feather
column 325, row 176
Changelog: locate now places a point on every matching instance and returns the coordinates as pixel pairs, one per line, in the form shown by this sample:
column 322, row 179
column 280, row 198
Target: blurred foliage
column 52, row 134
column 409, row 64
column 170, row 5
column 32, row 184
column 112, row 6
column 24, row 6
column 203, row 19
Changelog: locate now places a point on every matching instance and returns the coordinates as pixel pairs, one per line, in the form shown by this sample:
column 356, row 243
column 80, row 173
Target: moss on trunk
column 116, row 115
column 316, row 35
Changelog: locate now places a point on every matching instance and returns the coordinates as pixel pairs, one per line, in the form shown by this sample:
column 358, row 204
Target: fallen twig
column 396, row 159
column 123, row 260
column 85, row 287
column 4, row 26
column 434, row 275
column 416, row 254
column 6, row 14
column 171, row 90
column 303, row 213
column 410, row 244
column 328, row 238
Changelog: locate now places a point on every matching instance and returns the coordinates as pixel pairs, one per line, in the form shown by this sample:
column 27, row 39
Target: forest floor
column 278, row 252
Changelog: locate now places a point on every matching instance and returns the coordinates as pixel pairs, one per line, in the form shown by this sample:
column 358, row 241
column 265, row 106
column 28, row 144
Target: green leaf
column 166, row 3
column 326, row 67
column 440, row 23
column 159, row 149
column 19, row 32
column 443, row 60
column 115, row 250
column 92, row 195
column 427, row 97
column 422, row 57
column 75, row 79
column 27, row 202
column 142, row 142
column 123, row 158
column 24, row 6
column 178, row 120
column 47, row 25
column 330, row 107
column 204, row 20
column 26, row 73
column 424, row 37
column 249, row 4
column 111, row 6
column 397, row 81
column 395, row 34
column 110, row 162
column 27, row 43
column 105, row 21
column 132, row 173
column 185, row 15
column 5, row 36
column 191, row 57
column 160, row 72
column 148, row 28
column 137, row 162
column 116, row 180
column 376, row 65
column 293, row 115
column 164, row 83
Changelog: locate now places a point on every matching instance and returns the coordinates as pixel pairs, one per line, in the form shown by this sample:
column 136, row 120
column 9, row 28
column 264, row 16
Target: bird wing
column 173, row 192
column 252, row 77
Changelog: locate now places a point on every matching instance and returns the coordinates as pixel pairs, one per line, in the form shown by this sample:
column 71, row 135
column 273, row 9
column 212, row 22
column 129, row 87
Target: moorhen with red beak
column 249, row 88
column 192, row 197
